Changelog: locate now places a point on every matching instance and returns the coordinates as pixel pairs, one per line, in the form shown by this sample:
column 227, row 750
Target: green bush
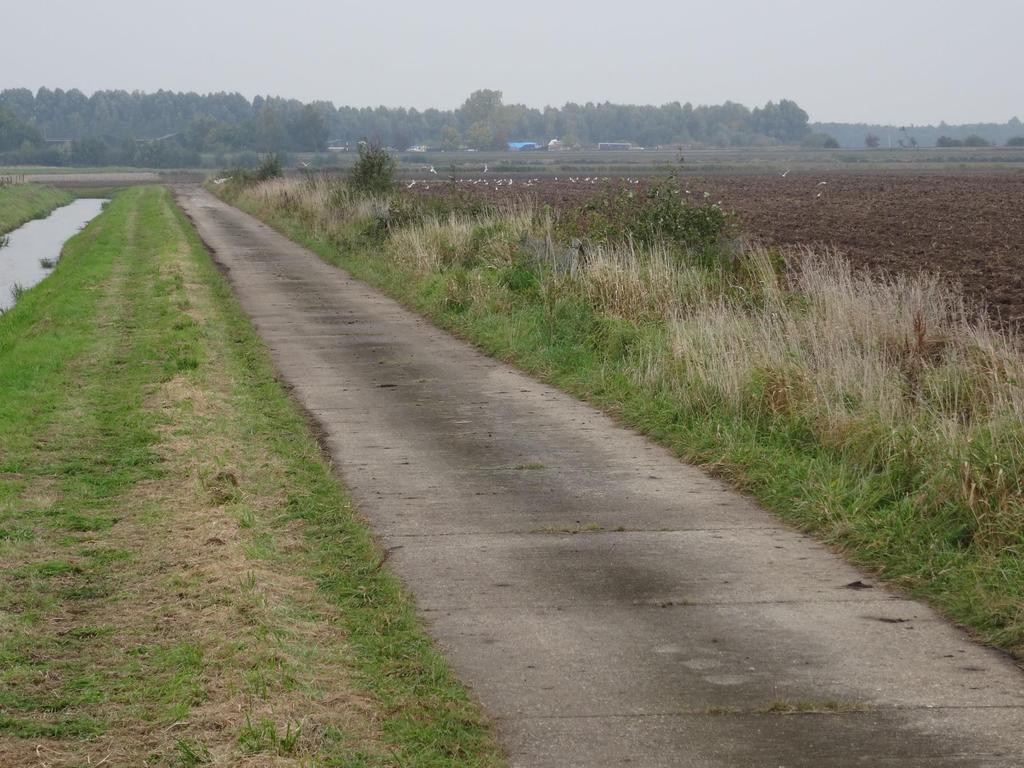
column 658, row 214
column 270, row 168
column 241, row 176
column 374, row 171
column 974, row 140
column 819, row 141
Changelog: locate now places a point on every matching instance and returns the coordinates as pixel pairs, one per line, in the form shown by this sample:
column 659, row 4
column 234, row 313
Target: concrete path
column 607, row 604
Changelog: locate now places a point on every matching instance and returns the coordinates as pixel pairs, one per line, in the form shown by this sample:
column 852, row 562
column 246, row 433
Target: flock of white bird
column 508, row 182
column 498, row 183
column 502, row 181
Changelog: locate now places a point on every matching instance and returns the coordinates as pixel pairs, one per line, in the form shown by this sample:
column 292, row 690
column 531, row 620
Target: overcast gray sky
column 898, row 61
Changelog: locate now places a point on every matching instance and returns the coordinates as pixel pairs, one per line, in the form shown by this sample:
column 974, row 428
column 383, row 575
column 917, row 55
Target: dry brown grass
column 884, row 369
column 325, row 207
column 634, row 283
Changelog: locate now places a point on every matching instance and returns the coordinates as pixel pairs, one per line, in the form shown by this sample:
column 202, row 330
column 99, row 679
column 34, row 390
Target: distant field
column 101, row 177
column 645, row 162
column 462, row 163
column 46, row 169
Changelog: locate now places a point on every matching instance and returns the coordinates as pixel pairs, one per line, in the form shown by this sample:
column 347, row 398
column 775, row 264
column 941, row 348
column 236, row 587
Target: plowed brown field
column 968, row 226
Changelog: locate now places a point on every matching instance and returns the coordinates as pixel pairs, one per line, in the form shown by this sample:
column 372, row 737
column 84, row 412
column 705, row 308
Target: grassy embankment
column 22, row 202
column 882, row 415
column 182, row 580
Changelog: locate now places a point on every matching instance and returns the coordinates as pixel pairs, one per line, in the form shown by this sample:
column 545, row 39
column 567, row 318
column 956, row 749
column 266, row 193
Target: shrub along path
column 608, row 604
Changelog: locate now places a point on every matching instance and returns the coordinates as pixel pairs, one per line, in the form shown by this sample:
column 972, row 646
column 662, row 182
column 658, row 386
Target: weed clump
column 374, row 171
column 241, row 177
column 657, row 215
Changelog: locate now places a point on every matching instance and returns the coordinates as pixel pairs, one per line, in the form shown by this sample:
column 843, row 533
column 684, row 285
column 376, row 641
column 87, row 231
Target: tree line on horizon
column 913, row 136
column 110, row 122
column 169, row 129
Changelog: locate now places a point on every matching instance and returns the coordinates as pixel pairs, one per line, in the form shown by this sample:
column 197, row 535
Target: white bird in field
column 822, row 183
column 303, row 163
column 219, row 181
column 411, row 184
column 818, row 195
column 784, row 175
column 432, row 170
column 485, row 167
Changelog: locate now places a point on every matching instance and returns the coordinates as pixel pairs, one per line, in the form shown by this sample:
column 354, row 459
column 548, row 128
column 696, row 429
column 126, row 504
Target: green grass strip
column 23, row 202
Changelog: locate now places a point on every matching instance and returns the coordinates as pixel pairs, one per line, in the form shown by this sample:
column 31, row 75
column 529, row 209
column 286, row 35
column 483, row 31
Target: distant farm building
column 614, row 146
column 522, row 146
column 555, row 145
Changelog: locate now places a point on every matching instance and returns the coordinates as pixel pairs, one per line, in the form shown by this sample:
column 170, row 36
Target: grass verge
column 184, row 582
column 883, row 415
column 23, row 202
